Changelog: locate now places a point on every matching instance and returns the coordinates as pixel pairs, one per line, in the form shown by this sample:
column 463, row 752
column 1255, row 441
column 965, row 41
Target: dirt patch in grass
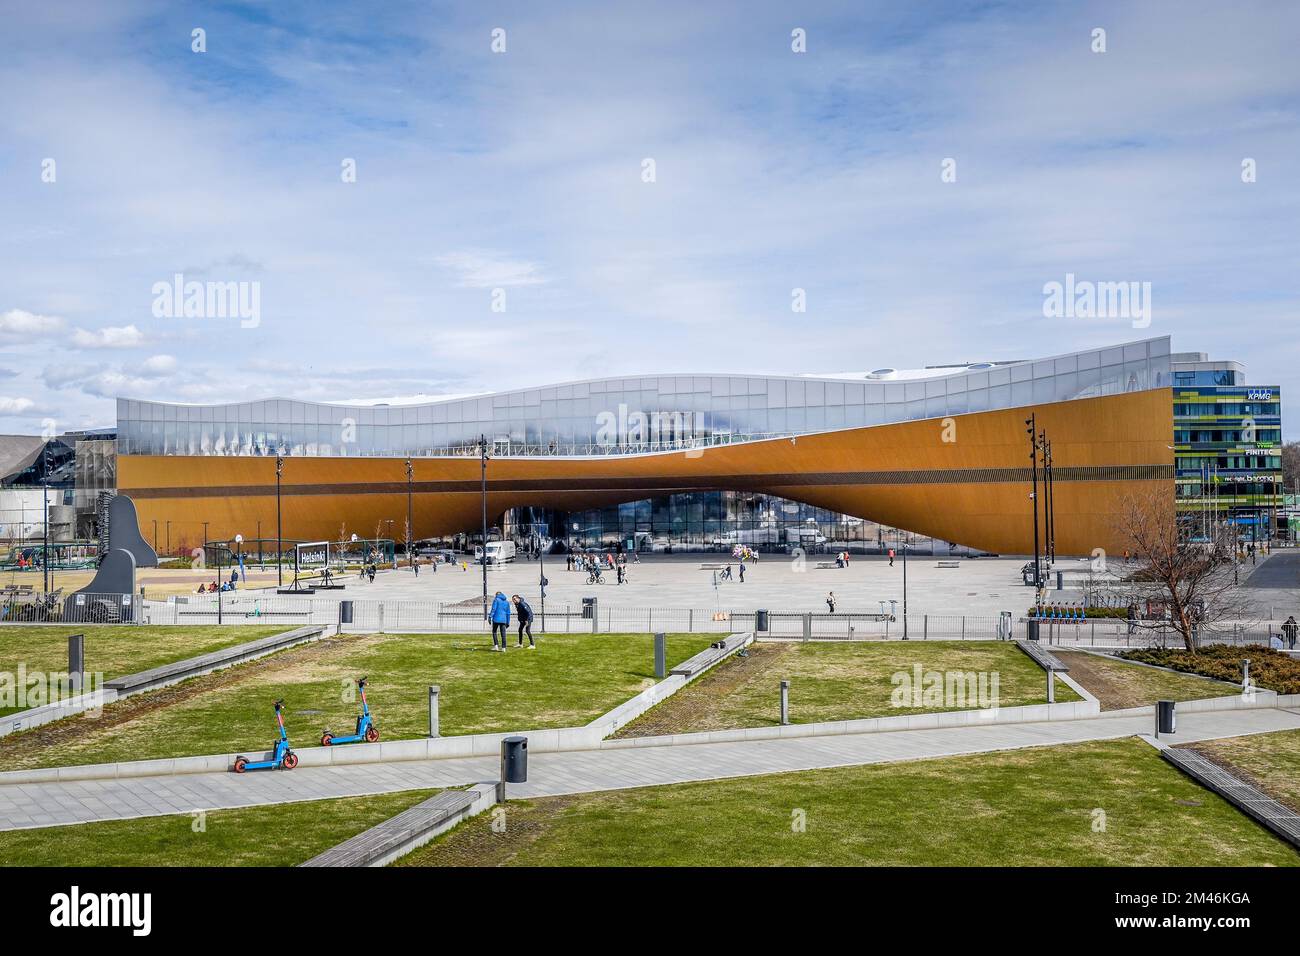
column 476, row 843
column 1118, row 684
column 18, row 750
column 848, row 680
column 699, row 705
column 1269, row 761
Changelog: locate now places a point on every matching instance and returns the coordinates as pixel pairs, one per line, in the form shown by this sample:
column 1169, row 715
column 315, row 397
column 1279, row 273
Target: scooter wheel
column 326, row 739
column 241, row 763
column 290, row 760
column 372, row 734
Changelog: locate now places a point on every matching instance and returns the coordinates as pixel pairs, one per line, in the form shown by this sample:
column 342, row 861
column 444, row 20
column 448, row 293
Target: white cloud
column 15, row 406
column 159, row 365
column 113, row 337
column 19, row 324
column 485, row 270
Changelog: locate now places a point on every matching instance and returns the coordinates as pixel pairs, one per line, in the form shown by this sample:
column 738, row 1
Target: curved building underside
column 964, row 478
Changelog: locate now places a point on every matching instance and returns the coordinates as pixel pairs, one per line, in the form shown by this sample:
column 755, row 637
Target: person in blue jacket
column 500, row 620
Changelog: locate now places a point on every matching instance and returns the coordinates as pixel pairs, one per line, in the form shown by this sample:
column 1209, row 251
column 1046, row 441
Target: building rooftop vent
column 882, row 373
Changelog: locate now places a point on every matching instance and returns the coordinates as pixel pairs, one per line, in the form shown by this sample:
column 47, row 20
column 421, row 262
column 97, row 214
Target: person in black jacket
column 525, row 615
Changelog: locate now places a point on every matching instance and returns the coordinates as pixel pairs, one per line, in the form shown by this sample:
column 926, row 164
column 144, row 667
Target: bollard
column 76, row 660
column 434, row 691
column 785, row 702
column 1051, row 685
column 661, row 656
column 1245, row 673
column 807, row 627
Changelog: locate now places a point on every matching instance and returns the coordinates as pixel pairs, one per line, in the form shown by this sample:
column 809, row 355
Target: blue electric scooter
column 282, row 758
column 366, row 729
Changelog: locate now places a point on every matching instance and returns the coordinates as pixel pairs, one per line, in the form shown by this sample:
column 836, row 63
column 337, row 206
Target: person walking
column 742, row 572
column 1132, row 618
column 891, row 557
column 830, row 601
column 500, row 615
column 1290, row 628
column 524, row 612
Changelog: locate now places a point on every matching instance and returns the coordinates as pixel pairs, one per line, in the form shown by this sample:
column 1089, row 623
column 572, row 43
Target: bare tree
column 1195, row 582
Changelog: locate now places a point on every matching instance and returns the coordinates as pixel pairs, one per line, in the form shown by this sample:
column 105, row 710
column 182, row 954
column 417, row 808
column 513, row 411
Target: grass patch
column 1269, row 668
column 838, row 681
column 1034, row 807
column 116, row 649
column 568, row 681
column 282, row 835
column 1117, row 684
column 1270, row 761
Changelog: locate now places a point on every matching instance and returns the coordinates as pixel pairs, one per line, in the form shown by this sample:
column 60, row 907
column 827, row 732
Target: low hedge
column 1269, row 668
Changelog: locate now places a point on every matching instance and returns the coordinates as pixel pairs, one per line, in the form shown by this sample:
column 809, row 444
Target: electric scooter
column 366, row 729
column 282, row 758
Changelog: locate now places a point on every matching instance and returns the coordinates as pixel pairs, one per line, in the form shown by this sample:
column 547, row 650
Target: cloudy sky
column 517, row 179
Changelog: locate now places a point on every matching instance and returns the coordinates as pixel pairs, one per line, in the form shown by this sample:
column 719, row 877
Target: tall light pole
column 279, row 533
column 903, row 547
column 1032, row 422
column 483, row 458
column 45, row 520
column 409, row 475
column 1049, row 504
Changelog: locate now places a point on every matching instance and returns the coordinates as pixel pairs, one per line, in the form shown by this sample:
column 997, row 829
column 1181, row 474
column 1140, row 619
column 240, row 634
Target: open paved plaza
column 982, row 586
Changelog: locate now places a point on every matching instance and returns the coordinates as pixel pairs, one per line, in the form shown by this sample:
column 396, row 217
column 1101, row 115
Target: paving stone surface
column 50, row 804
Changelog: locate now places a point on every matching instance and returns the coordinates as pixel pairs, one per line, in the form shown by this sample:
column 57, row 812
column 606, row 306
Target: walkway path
column 51, row 804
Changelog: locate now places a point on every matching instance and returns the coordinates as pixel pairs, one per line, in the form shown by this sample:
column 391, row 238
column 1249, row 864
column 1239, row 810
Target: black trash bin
column 1164, row 717
column 514, row 760
column 589, row 608
column 760, row 620
column 345, row 612
column 1031, row 628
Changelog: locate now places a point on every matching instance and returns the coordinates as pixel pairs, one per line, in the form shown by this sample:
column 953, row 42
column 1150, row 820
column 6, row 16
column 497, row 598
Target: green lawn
column 1118, row 683
column 569, row 680
column 841, row 681
column 282, row 835
column 1271, row 761
column 116, row 649
column 1035, row 807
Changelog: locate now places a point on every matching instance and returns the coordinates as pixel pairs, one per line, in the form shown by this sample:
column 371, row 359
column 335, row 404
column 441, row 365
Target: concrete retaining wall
column 1072, row 710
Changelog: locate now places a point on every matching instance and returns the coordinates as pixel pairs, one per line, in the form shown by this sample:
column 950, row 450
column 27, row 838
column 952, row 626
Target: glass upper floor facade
column 629, row 413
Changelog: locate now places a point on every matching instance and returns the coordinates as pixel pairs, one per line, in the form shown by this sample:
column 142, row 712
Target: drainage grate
column 1282, row 820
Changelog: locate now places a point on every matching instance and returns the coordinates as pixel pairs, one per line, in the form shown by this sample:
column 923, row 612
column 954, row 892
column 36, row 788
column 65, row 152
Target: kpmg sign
column 1260, row 394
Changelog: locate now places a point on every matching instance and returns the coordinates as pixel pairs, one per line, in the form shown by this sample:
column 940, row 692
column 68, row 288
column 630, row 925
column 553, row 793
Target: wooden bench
column 827, row 566
column 206, row 663
column 400, row 834
column 1044, row 658
column 710, row 656
column 948, row 564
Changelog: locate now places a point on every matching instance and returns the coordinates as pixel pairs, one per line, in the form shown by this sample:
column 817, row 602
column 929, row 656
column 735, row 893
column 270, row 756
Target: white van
column 498, row 552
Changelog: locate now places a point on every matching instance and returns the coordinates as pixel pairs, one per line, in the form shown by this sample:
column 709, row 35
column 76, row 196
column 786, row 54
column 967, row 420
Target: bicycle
column 595, row 577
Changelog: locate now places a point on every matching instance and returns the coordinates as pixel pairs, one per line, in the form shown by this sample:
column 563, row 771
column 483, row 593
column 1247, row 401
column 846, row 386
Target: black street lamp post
column 410, row 472
column 279, row 533
column 1032, row 431
column 483, row 460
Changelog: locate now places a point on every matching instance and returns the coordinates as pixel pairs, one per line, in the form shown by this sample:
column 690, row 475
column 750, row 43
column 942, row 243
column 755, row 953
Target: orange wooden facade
column 972, row 489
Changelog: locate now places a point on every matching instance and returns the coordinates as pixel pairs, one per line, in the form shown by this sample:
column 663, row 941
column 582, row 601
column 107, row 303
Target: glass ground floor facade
column 715, row 521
